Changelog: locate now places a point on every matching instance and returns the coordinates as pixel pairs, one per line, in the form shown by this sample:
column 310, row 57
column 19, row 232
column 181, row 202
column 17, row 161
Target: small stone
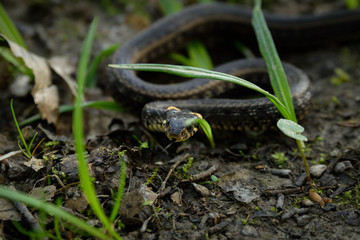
column 317, row 170
column 280, row 201
column 303, row 220
column 300, row 180
column 328, row 180
column 330, row 207
column 353, row 218
column 249, row 231
column 307, row 203
column 294, row 211
column 342, row 166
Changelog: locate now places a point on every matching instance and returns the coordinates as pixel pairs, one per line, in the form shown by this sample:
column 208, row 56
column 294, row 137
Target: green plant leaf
column 194, row 72
column 205, row 126
column 105, row 105
column 78, row 133
column 291, row 129
column 268, row 50
column 8, row 28
column 91, row 75
column 50, row 209
column 169, row 7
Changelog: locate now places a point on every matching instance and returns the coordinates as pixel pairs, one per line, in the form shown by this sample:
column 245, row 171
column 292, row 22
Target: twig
column 205, row 173
column 284, row 191
column 182, row 158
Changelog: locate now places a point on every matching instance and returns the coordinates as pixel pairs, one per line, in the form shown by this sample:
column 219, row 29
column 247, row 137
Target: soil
column 246, row 193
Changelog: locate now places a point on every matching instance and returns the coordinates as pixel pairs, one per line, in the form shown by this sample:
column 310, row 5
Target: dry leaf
column 42, row 77
column 47, row 100
column 201, row 189
column 44, row 193
column 8, row 211
column 61, row 65
column 176, row 197
column 35, row 164
column 147, row 193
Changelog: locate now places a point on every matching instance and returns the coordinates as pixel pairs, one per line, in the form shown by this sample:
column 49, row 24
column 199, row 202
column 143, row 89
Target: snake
column 166, row 105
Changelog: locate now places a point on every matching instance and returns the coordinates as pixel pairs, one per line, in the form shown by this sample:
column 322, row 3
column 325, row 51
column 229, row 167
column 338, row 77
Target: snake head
column 180, row 125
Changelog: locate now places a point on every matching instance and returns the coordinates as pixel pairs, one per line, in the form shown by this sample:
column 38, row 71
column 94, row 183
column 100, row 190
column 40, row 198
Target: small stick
column 205, row 173
column 182, row 158
column 284, row 191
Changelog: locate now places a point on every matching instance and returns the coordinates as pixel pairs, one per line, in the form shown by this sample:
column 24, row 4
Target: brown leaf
column 352, row 123
column 8, row 211
column 43, row 87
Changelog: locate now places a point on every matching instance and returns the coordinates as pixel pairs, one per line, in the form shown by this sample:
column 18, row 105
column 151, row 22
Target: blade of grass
column 194, row 72
column 169, row 7
column 277, row 75
column 91, row 76
column 51, row 210
column 115, row 210
column 199, row 55
column 16, row 62
column 105, row 105
column 278, row 79
column 8, row 28
column 27, row 149
column 78, row 134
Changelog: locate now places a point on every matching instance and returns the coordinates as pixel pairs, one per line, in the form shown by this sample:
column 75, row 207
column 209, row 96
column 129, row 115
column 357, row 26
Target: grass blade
column 78, row 134
column 51, row 210
column 8, row 28
column 194, row 72
column 105, row 105
column 118, row 198
column 278, row 79
column 169, row 7
column 91, row 76
column 27, row 149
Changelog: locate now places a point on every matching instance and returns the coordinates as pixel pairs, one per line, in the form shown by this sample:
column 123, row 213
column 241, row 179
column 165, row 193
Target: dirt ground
column 252, row 193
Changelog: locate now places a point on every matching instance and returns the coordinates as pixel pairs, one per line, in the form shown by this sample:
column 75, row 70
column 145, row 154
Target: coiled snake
column 218, row 26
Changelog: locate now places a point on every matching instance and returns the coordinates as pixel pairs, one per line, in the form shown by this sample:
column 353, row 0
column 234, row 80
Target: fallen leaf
column 47, row 100
column 352, row 123
column 42, row 77
column 61, row 65
column 44, row 193
column 35, row 164
column 8, row 211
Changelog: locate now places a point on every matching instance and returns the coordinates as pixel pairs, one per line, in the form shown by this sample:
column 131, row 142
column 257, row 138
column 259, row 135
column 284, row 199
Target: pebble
column 279, row 172
column 280, row 201
column 307, row 203
column 249, row 231
column 342, row 166
column 303, row 220
column 292, row 212
column 328, row 180
column 300, row 180
column 330, row 207
column 317, row 170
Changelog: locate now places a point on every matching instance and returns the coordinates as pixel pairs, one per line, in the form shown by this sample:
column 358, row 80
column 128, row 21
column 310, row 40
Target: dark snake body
column 217, row 25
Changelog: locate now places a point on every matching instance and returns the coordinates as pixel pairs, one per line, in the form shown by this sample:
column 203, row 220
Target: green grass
column 198, row 56
column 107, row 231
column 9, row 30
column 91, row 75
column 78, row 135
column 27, row 152
column 105, row 105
